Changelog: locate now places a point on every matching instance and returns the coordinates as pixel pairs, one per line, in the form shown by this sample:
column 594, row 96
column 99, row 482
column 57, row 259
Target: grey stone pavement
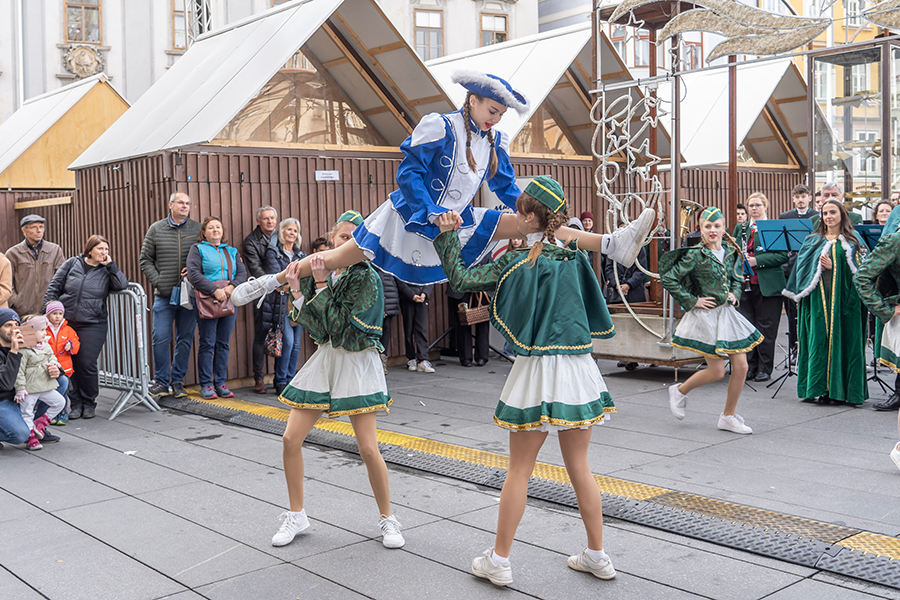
column 178, row 506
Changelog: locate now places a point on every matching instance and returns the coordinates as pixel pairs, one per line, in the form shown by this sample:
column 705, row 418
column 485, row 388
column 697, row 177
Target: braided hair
column 470, row 158
column 549, row 220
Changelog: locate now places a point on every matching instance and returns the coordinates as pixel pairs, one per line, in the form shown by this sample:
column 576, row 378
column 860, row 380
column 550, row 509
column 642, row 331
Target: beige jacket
column 5, row 281
column 30, row 276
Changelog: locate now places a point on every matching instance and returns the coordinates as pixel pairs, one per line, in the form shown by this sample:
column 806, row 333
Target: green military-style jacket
column 878, row 279
column 691, row 273
column 768, row 264
column 348, row 312
column 552, row 307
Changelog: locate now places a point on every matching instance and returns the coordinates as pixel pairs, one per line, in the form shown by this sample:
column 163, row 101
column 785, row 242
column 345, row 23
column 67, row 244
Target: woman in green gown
column 831, row 318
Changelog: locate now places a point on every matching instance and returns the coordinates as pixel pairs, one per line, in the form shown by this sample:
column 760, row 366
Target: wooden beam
column 760, row 140
column 616, row 75
column 300, row 146
column 336, row 39
column 788, row 100
column 582, row 94
column 581, row 127
column 378, row 67
column 387, row 48
column 59, row 200
column 376, row 111
column 791, row 133
column 336, row 62
column 785, row 146
column 576, row 145
column 428, row 100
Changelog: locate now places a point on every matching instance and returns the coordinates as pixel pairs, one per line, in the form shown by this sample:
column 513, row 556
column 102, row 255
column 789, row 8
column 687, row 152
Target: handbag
column 208, row 306
column 477, row 313
column 186, row 289
column 274, row 341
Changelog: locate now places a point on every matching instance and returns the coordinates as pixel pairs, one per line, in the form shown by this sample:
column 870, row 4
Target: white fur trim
column 848, row 253
column 430, row 129
column 504, row 140
column 808, row 290
column 471, row 76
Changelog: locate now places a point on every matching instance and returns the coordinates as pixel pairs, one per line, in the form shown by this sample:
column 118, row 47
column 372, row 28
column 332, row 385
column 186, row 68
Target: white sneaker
column 629, row 239
column 734, row 423
column 253, row 288
column 484, row 567
column 390, row 532
column 677, row 401
column 425, row 367
column 292, row 524
column 411, row 365
column 895, row 456
column 602, row 569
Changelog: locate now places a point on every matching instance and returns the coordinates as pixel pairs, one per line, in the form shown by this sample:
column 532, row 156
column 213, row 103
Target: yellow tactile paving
column 833, row 534
column 873, row 543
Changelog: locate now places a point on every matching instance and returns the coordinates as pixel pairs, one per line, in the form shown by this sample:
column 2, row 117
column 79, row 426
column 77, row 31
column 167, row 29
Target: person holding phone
column 13, row 429
column 82, row 284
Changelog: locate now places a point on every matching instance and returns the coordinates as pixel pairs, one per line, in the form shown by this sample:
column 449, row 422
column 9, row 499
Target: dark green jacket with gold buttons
column 689, row 273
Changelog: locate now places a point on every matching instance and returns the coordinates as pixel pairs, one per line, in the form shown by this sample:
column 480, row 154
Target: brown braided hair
column 470, row 158
column 549, row 220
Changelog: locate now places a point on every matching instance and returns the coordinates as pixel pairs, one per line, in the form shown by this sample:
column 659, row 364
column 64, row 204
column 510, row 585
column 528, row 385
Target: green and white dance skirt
column 339, row 383
column 560, row 390
column 716, row 333
column 890, row 345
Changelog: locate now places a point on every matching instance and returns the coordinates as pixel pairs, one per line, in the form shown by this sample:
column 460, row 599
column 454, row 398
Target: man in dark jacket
column 631, row 280
column 255, row 246
column 391, row 310
column 414, row 308
column 13, row 429
column 802, row 199
column 32, row 263
column 164, row 262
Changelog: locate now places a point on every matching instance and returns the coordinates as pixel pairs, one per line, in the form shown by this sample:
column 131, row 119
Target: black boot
column 892, row 403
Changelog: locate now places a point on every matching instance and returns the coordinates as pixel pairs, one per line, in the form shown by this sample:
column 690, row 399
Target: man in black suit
column 802, row 198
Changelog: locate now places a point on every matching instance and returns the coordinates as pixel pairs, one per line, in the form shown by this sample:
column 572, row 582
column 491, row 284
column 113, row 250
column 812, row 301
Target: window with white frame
column 772, row 6
column 859, row 78
column 693, row 55
column 642, row 49
column 866, row 160
column 493, row 29
column 854, row 10
column 617, row 37
column 823, row 76
column 83, row 21
column 429, row 34
column 813, row 7
column 179, row 26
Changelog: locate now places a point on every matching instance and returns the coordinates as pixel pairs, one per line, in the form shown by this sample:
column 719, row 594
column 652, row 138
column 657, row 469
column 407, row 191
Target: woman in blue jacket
column 211, row 260
column 283, row 249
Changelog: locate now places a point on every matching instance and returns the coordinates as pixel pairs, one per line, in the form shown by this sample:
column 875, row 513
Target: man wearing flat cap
column 33, row 261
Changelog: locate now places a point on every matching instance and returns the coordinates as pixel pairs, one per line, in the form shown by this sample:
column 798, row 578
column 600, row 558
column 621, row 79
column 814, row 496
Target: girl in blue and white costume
column 447, row 158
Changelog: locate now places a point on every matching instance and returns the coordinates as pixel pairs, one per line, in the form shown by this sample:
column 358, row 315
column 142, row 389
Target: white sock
column 596, row 555
column 609, row 244
column 302, row 513
column 499, row 560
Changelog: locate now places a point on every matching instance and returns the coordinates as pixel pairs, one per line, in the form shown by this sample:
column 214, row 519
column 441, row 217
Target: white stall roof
column 25, row 126
column 199, row 95
column 552, row 67
column 704, row 114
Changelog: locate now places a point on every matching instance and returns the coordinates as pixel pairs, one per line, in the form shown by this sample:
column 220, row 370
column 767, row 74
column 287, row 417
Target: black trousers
column 464, row 334
column 386, row 331
column 790, row 311
column 415, row 329
column 765, row 314
column 259, row 341
column 84, row 385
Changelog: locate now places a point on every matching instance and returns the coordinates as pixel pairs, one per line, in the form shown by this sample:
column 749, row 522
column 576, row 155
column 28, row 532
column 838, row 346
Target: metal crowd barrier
column 123, row 361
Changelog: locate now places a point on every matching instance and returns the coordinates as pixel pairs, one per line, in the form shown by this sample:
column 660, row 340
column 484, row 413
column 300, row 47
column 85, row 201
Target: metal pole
column 731, row 206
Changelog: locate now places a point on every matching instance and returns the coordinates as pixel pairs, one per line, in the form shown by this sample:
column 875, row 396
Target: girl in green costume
column 707, row 279
column 549, row 306
column 831, row 317
column 343, row 312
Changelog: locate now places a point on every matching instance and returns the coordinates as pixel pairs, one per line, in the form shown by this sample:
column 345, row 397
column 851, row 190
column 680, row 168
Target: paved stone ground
column 170, row 505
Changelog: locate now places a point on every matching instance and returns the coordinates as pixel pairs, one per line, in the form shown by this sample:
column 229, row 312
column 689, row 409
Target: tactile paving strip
column 845, row 551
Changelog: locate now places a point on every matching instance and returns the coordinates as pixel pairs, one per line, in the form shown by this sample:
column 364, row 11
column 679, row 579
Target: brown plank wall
column 121, row 200
column 60, row 218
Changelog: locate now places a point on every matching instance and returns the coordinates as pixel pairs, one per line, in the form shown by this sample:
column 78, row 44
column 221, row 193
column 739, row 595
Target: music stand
column 783, row 235
column 870, row 234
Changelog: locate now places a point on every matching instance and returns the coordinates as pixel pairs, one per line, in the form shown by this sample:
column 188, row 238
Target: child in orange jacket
column 65, row 343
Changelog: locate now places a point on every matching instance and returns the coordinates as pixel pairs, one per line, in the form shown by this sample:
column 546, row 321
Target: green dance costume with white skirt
column 550, row 312
column 690, row 273
column 344, row 376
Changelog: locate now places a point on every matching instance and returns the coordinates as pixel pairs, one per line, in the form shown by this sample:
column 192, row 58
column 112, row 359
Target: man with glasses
column 763, row 281
column 164, row 262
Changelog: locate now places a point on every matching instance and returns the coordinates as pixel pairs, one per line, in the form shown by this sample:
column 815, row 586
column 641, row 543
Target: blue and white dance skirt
column 406, row 250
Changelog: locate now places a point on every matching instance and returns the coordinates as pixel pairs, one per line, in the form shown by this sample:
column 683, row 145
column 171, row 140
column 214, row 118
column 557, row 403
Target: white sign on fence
column 328, row 175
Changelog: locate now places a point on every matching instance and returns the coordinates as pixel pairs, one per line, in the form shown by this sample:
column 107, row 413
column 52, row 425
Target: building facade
column 45, row 44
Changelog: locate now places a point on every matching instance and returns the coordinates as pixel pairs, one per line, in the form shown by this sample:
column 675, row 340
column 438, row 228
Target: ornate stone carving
column 83, row 60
